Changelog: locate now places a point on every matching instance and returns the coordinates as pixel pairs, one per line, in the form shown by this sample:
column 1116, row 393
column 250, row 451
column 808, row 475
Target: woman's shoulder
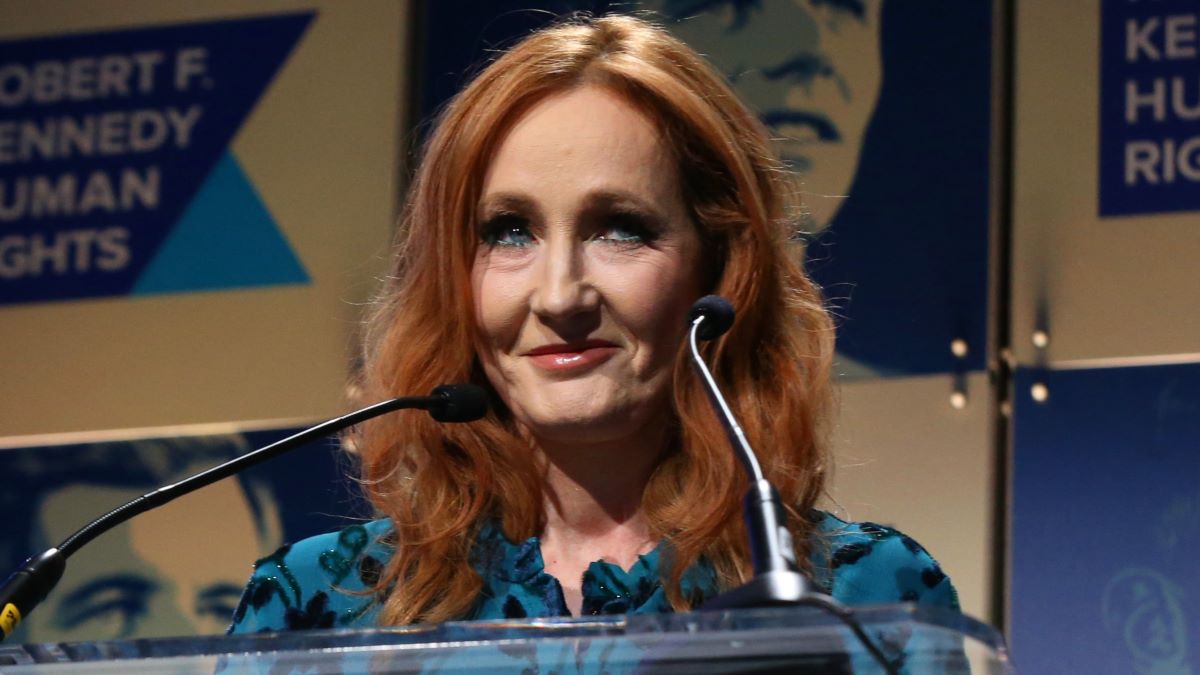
column 868, row 563
column 319, row 582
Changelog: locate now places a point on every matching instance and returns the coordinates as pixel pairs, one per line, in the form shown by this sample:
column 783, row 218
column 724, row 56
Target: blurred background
column 196, row 201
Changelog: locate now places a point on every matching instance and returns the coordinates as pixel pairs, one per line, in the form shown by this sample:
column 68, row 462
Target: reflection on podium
column 777, row 640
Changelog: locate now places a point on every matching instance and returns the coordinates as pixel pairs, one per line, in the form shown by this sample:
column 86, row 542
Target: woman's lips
column 564, row 358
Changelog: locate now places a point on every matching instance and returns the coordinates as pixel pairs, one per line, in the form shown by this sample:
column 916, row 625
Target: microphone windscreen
column 460, row 403
column 718, row 316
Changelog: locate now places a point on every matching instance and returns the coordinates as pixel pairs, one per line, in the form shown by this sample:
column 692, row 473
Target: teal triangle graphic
column 225, row 238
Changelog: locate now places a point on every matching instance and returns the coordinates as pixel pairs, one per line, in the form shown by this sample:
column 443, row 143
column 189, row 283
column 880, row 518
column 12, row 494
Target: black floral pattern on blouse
column 313, row 616
column 326, row 581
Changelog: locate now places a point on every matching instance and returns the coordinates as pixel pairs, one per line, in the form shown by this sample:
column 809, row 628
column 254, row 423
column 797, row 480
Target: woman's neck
column 593, row 507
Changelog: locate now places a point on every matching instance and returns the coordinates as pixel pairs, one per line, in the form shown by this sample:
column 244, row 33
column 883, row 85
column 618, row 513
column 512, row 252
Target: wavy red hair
column 440, row 483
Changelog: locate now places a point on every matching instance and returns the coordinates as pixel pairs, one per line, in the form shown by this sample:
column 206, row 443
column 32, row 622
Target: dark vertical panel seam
column 1000, row 360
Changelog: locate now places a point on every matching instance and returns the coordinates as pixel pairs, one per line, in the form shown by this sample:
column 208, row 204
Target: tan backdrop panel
column 1115, row 287
column 908, row 459
column 320, row 148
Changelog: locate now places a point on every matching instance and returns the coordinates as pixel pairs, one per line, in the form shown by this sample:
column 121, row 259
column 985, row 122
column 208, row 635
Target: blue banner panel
column 1106, row 521
column 115, row 170
column 1149, row 107
column 177, row 570
column 904, row 262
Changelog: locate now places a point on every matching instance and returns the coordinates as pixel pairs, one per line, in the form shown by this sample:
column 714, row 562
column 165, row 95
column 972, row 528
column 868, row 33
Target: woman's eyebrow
column 505, row 201
column 500, row 202
column 625, row 201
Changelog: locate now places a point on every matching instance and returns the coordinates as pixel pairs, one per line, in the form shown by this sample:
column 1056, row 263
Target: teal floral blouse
column 320, row 582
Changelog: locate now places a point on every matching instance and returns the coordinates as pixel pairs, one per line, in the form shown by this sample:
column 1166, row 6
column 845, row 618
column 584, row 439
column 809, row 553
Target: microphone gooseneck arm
column 771, row 546
column 28, row 586
column 737, row 437
column 777, row 580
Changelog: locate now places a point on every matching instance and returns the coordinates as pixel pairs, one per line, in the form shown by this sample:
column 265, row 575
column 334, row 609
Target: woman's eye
column 626, row 230
column 507, row 230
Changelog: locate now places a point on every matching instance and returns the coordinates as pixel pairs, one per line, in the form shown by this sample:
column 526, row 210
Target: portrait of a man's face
column 176, row 570
column 812, row 71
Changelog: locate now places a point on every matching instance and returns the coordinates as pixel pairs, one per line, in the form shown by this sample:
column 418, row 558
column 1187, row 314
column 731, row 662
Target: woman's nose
column 562, row 289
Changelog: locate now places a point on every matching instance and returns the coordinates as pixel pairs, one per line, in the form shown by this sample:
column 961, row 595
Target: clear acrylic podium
column 776, row 640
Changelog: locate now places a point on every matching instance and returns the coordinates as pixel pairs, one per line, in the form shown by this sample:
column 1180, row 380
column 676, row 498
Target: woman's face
column 586, row 268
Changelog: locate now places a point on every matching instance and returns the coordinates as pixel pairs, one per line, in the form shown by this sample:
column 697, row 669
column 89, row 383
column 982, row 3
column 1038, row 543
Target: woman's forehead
column 588, row 139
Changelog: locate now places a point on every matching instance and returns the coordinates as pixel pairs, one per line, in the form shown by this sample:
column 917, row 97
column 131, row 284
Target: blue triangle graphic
column 225, row 238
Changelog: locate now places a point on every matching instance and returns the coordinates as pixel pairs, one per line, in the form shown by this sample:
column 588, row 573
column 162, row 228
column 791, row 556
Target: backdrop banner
column 176, row 570
column 1149, row 107
column 1106, row 521
column 116, row 176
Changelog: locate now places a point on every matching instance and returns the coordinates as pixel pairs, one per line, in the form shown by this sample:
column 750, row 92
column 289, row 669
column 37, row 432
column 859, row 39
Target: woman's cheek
column 502, row 305
column 650, row 284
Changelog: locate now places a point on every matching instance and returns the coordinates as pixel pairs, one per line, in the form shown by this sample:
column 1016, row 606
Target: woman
column 572, row 203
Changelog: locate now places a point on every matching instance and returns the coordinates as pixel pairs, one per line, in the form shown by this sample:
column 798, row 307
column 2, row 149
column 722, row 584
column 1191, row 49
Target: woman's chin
column 586, row 424
column 576, row 428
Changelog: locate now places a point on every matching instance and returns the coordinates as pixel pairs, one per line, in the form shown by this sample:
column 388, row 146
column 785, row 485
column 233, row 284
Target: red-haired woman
column 572, row 203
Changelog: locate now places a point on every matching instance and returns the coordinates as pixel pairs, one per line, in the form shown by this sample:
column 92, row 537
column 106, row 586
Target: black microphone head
column 460, row 403
column 718, row 316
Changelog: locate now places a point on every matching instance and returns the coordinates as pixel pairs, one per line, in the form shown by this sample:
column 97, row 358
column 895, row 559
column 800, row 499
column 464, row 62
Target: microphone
column 459, row 403
column 29, row 585
column 777, row 580
column 717, row 315
column 771, row 547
